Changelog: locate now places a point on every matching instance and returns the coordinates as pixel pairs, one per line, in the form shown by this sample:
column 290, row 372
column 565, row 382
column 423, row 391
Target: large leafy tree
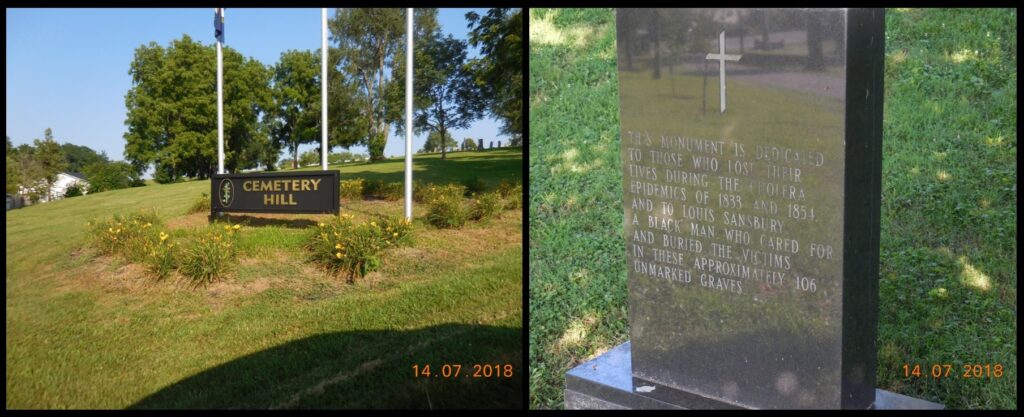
column 79, row 157
column 172, row 110
column 434, row 142
column 49, row 158
column 499, row 71
column 13, row 173
column 104, row 176
column 367, row 42
column 444, row 85
column 296, row 116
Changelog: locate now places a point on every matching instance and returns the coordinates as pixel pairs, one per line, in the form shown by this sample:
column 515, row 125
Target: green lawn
column 89, row 331
column 491, row 166
column 948, row 248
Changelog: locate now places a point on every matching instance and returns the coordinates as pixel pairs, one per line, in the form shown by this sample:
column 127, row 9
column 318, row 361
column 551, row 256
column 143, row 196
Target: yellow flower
column 337, row 246
column 374, row 224
column 321, row 225
column 236, row 227
column 395, row 234
column 149, row 224
column 227, row 227
column 337, row 255
column 110, row 229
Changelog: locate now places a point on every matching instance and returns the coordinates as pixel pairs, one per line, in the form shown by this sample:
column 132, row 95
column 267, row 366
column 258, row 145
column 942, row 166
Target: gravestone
column 752, row 186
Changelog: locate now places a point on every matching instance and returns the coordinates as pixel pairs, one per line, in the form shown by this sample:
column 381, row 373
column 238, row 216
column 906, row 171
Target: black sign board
column 276, row 192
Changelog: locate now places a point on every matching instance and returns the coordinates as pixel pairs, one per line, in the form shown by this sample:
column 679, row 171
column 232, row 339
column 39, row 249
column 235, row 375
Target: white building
column 60, row 186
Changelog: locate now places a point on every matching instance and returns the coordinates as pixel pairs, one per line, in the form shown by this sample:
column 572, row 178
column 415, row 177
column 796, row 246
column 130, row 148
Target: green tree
column 499, row 70
column 433, row 143
column 444, row 86
column 74, row 190
column 13, row 173
column 172, row 110
column 469, row 144
column 340, row 157
column 295, row 119
column 79, row 157
column 368, row 41
column 49, row 158
column 105, row 176
column 310, row 157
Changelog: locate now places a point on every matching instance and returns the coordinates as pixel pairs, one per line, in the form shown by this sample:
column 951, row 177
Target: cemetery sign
column 276, row 192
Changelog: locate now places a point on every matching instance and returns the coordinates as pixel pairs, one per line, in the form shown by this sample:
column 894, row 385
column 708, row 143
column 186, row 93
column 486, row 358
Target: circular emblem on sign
column 227, row 193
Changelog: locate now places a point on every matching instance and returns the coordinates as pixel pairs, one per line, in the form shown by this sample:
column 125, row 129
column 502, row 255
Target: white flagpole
column 220, row 105
column 323, row 87
column 408, row 114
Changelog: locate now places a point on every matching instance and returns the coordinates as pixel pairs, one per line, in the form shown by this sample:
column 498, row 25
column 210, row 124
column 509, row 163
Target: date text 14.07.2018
column 454, row 370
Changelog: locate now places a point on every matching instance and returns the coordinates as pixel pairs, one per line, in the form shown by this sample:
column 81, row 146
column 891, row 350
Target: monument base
column 606, row 383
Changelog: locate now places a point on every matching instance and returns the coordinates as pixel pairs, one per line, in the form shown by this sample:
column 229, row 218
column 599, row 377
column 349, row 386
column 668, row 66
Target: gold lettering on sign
column 279, row 200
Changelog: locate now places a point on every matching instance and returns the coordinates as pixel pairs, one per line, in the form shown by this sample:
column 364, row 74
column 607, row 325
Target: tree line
column 32, row 169
column 269, row 109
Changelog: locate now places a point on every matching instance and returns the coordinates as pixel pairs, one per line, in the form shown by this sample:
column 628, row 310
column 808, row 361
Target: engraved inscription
column 716, row 214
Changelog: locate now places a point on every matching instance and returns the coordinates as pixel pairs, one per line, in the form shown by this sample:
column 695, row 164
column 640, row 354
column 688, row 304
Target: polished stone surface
column 606, row 383
column 751, row 152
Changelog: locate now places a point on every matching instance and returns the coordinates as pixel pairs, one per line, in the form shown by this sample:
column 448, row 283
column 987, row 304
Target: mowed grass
column 491, row 166
column 948, row 248
column 89, row 331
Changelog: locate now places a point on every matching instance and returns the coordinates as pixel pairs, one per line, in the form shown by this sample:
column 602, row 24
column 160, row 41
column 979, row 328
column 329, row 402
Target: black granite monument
column 751, row 158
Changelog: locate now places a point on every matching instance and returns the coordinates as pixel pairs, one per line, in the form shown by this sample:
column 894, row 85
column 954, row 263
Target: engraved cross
column 722, row 57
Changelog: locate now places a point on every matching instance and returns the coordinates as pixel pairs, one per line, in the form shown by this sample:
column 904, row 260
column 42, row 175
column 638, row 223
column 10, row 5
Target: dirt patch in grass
column 190, row 221
column 113, row 275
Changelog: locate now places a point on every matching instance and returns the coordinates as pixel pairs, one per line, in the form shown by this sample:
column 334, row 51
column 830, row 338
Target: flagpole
column 220, row 105
column 408, row 114
column 323, row 87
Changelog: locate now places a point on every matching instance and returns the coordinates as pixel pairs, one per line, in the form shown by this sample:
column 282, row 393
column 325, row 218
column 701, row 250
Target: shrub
column 393, row 191
column 202, row 204
column 125, row 235
column 352, row 189
column 74, row 190
column 390, row 191
column 512, row 193
column 421, row 190
column 474, row 186
column 162, row 258
column 486, row 206
column 447, row 211
column 210, row 256
column 353, row 249
column 429, row 192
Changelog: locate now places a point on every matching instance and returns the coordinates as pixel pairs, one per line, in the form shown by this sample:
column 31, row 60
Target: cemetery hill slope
column 92, row 331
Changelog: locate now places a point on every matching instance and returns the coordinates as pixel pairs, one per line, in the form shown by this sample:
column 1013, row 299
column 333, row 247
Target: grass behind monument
column 86, row 331
column 948, row 249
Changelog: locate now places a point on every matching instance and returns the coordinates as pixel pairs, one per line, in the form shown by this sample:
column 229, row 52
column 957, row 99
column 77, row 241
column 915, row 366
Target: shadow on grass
column 267, row 221
column 363, row 369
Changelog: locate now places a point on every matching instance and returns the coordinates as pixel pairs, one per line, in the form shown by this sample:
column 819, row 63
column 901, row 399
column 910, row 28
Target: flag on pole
column 218, row 24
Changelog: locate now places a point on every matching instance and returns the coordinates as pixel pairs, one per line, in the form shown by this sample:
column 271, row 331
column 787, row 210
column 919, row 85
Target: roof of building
column 78, row 175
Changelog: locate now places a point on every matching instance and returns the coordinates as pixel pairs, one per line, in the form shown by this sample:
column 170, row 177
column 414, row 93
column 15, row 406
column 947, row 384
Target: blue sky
column 67, row 69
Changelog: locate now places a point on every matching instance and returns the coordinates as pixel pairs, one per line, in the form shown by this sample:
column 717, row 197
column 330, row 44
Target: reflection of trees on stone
column 627, row 22
column 655, row 33
column 815, row 38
